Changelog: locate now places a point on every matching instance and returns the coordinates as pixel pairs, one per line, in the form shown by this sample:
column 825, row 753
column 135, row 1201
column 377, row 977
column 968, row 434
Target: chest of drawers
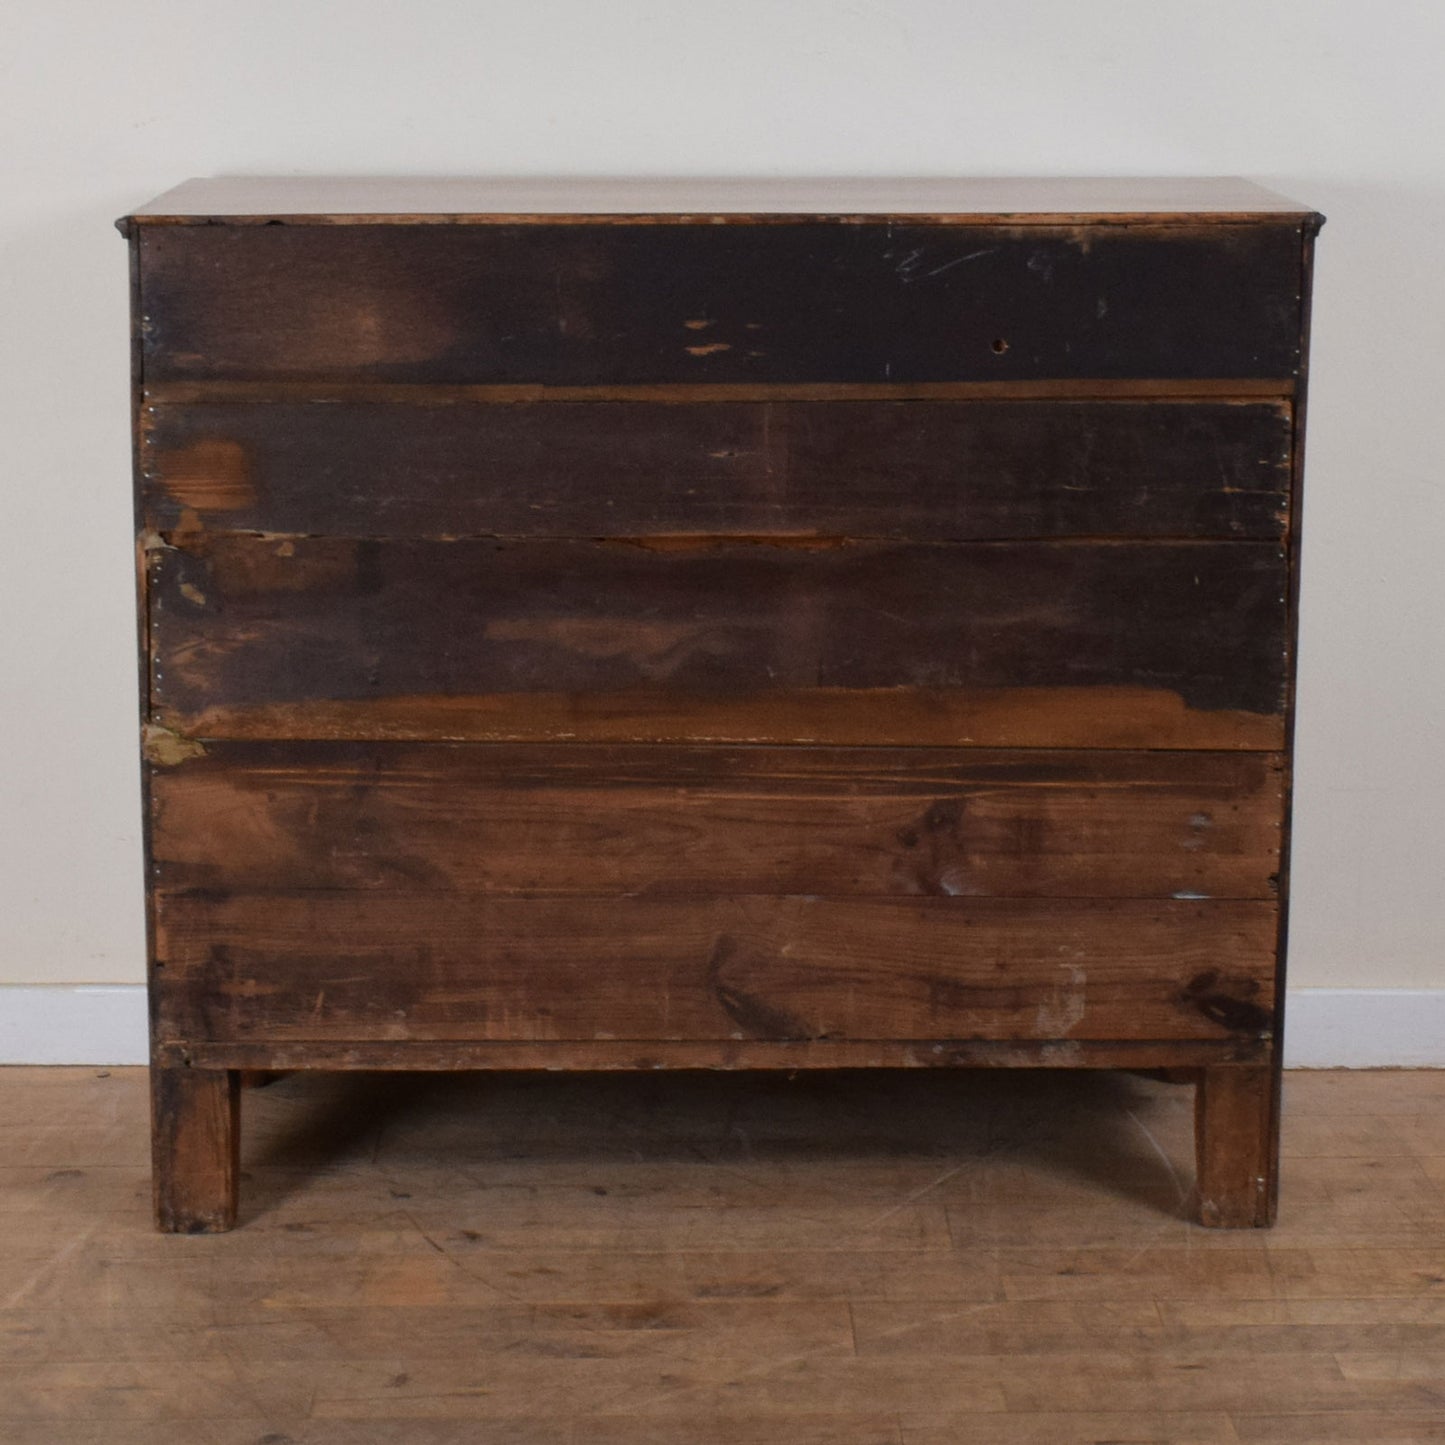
column 624, row 626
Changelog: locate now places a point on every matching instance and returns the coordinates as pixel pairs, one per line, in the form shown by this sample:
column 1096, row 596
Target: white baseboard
column 1365, row 1028
column 73, row 1023
column 1328, row 1028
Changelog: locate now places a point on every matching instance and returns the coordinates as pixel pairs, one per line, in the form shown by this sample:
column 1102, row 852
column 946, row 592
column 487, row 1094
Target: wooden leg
column 1237, row 1146
column 195, row 1147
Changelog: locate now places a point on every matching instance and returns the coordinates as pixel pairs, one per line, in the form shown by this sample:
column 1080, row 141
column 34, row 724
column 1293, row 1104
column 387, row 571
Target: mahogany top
column 343, row 199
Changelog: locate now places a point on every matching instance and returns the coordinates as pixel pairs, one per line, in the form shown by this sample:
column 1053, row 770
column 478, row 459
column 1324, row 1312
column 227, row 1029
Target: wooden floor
column 919, row 1259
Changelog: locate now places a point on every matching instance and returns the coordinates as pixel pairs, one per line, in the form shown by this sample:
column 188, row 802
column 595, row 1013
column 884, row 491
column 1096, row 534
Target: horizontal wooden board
column 867, row 822
column 908, row 470
column 444, row 199
column 392, row 966
column 1074, row 644
column 614, row 1054
column 209, row 392
column 810, row 301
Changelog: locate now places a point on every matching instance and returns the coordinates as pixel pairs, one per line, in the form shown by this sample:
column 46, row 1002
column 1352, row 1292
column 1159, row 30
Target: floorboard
column 857, row 1259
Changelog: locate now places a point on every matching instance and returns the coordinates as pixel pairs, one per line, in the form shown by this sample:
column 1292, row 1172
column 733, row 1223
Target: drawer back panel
column 382, row 966
column 505, row 820
column 905, row 470
column 325, row 891
column 624, row 304
column 1073, row 643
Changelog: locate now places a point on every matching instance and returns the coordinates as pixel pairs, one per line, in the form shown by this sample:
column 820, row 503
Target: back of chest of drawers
column 794, row 631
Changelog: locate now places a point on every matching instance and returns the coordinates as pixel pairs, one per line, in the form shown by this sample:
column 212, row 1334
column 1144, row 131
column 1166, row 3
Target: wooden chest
column 659, row 626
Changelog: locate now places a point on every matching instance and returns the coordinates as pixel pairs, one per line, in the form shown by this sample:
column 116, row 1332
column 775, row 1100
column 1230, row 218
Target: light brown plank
column 386, row 966
column 869, row 822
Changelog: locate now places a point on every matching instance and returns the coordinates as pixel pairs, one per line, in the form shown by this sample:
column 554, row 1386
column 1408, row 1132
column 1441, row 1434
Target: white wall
column 1337, row 103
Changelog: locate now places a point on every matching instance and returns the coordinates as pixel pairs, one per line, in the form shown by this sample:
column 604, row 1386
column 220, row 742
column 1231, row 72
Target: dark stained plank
column 1044, row 644
column 913, row 471
column 195, row 1148
column 604, row 1055
column 209, row 392
column 809, row 301
column 1062, row 717
column 388, row 967
column 868, row 822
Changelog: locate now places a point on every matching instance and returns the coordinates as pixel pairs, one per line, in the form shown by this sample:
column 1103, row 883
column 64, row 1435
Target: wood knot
column 755, row 1016
column 1205, row 993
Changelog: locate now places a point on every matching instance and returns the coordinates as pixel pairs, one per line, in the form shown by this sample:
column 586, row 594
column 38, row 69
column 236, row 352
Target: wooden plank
column 381, row 1260
column 870, row 822
column 1074, row 1427
column 912, row 471
column 1099, row 717
column 195, row 1142
column 1069, row 388
column 1042, row 644
column 443, row 199
column 580, row 304
column 392, row 966
column 624, row 1056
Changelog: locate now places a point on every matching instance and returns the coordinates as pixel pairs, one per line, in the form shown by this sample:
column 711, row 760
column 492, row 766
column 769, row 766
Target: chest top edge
column 340, row 200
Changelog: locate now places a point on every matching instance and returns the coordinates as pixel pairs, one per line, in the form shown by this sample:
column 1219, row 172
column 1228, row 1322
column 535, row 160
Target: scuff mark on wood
column 1065, row 1006
column 211, row 474
column 165, row 748
column 714, row 542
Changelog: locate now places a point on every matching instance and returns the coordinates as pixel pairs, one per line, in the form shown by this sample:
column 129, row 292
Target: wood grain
column 530, row 1258
column 811, row 301
column 500, row 819
column 687, row 393
column 195, row 1148
column 700, row 639
column 442, row 200
column 1237, row 1143
column 713, row 1055
column 393, row 966
column 435, row 517
column 1266, row 1114
column 908, row 471
column 1023, row 717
